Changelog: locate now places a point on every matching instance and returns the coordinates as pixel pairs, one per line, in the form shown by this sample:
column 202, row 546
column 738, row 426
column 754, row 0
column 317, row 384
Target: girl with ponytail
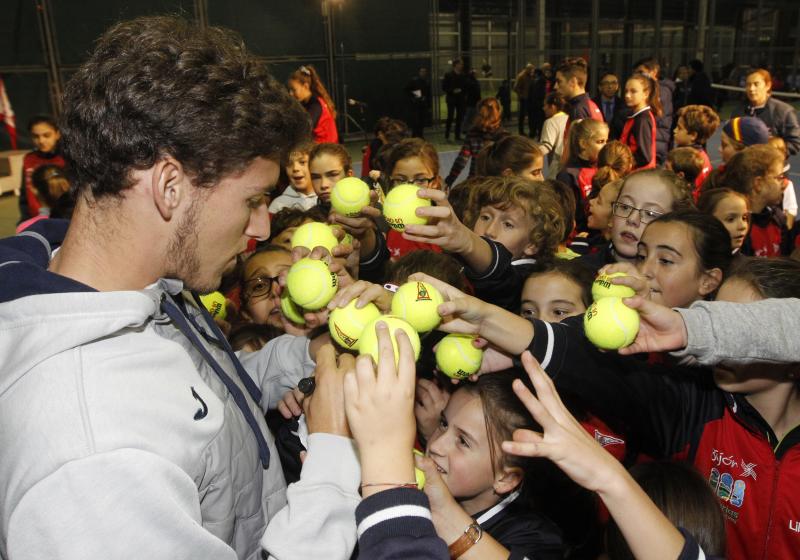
column 306, row 86
column 639, row 132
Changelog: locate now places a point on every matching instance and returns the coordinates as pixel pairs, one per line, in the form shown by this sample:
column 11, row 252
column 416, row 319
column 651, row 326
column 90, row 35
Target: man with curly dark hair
column 130, row 427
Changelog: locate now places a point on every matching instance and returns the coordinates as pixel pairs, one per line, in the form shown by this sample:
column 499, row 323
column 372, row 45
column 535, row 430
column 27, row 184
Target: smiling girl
column 732, row 209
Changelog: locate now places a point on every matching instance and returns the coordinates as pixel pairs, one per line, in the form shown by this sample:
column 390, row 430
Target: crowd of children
column 515, row 459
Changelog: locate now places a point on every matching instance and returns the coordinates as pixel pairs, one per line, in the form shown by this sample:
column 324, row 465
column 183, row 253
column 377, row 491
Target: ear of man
column 169, row 186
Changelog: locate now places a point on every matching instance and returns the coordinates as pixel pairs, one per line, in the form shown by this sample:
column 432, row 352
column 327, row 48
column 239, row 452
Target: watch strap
column 470, row 537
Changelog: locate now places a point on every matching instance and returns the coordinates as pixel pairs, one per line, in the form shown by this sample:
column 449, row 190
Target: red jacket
column 322, row 121
column 671, row 412
column 29, row 207
column 706, row 171
column 639, row 134
column 768, row 236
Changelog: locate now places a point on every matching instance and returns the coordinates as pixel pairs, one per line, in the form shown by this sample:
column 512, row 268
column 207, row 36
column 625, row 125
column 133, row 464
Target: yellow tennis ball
column 349, row 196
column 311, row 284
column 400, row 204
column 347, row 323
column 314, row 234
column 603, row 288
column 291, row 310
column 610, row 324
column 456, row 357
column 419, row 474
column 215, row 303
column 368, row 343
column 417, row 303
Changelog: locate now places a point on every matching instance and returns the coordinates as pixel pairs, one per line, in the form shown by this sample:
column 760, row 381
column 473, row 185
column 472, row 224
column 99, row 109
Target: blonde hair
column 580, row 131
column 537, row 200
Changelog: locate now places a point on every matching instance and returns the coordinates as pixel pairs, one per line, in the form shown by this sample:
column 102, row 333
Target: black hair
column 711, row 240
column 42, row 119
column 579, row 273
column 696, row 65
column 685, row 498
column 157, row 86
column 771, row 278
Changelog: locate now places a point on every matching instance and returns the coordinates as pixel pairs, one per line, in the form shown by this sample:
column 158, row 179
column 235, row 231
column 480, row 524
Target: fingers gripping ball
column 347, row 323
column 419, row 474
column 215, row 303
column 314, row 234
column 349, row 196
column 456, row 357
column 610, row 324
column 400, row 204
column 311, row 284
column 290, row 310
column 417, row 303
column 603, row 288
column 368, row 343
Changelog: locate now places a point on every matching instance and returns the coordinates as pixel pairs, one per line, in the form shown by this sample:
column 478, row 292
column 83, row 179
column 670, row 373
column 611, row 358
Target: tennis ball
column 215, row 303
column 416, row 302
column 456, row 357
column 314, row 234
column 311, row 284
column 291, row 310
column 349, row 196
column 610, row 324
column 603, row 288
column 419, row 474
column 347, row 323
column 400, row 204
column 368, row 343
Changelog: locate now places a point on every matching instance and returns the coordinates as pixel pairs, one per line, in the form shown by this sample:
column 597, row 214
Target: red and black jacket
column 578, row 176
column 768, row 236
column 676, row 412
column 704, row 173
column 581, row 107
column 639, row 134
column 322, row 122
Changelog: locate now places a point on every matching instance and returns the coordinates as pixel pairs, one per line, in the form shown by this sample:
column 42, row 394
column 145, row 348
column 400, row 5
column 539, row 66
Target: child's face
column 535, row 171
column 770, row 187
column 590, row 149
column 682, row 136
column 299, row 90
column 751, row 379
column 649, row 196
column 732, row 211
column 260, row 286
column 414, row 170
column 44, row 137
column 600, row 210
column 460, row 449
column 549, row 110
column 726, row 148
column 551, row 297
column 326, row 171
column 635, row 94
column 668, row 259
column 509, row 226
column 298, row 173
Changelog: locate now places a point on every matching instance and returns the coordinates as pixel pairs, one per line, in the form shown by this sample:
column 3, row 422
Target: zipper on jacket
column 765, row 550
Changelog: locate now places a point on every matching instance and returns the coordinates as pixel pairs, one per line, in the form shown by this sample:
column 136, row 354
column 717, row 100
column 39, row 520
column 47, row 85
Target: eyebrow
column 669, row 248
column 563, row 301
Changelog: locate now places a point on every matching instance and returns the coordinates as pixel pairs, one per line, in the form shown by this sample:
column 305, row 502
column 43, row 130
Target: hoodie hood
column 43, row 314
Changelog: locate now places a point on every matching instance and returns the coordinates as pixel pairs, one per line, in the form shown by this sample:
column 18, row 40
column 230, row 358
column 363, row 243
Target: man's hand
column 661, row 329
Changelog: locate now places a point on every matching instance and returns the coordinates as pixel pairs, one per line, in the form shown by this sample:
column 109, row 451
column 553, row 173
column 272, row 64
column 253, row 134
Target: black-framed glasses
column 258, row 286
column 622, row 210
column 423, row 182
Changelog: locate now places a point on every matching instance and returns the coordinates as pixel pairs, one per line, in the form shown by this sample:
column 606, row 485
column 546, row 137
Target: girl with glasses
column 644, row 196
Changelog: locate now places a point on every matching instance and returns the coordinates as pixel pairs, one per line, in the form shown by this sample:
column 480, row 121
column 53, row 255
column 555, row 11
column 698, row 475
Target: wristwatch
column 472, row 534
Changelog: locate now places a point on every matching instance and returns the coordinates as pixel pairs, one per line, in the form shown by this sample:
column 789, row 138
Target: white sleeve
column 790, row 200
column 549, row 136
column 278, row 366
column 319, row 520
column 118, row 504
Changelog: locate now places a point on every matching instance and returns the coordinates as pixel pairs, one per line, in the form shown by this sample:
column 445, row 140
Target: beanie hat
column 747, row 130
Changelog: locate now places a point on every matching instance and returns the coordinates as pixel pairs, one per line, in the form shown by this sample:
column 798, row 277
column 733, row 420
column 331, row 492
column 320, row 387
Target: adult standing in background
column 611, row 105
column 700, row 90
column 472, row 96
column 306, row 86
column 536, row 95
column 418, row 92
column 454, row 85
column 780, row 117
column 522, row 86
column 666, row 89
